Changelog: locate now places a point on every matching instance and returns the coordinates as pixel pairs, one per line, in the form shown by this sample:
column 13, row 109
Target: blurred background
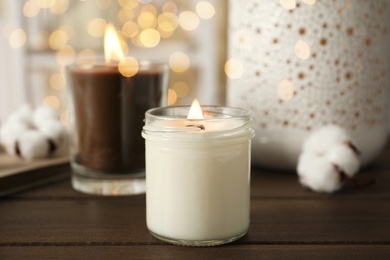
column 39, row 38
column 297, row 65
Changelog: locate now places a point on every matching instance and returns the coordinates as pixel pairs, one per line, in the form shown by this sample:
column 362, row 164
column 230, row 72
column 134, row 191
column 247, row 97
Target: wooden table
column 287, row 222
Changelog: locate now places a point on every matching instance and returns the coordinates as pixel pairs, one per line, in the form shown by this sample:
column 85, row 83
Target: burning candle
column 107, row 106
column 198, row 174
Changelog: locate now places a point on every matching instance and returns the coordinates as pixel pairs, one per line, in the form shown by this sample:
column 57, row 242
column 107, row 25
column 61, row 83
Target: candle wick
column 200, row 126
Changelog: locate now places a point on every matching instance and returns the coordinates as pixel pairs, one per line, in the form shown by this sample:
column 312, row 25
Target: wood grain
column 341, row 252
column 287, row 222
column 122, row 220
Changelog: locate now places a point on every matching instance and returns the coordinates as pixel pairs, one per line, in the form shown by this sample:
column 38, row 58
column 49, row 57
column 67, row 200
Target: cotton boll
column 306, row 163
column 22, row 115
column 43, row 114
column 318, row 174
column 56, row 132
column 33, row 145
column 345, row 158
column 53, row 130
column 10, row 133
column 322, row 140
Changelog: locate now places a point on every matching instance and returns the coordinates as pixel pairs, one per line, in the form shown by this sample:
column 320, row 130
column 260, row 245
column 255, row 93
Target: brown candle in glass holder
column 107, row 107
column 109, row 110
column 106, row 116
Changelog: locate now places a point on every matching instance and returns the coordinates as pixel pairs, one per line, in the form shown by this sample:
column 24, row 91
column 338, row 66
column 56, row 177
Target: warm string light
column 142, row 23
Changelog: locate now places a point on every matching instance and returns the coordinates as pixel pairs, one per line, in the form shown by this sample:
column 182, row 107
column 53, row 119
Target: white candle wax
column 198, row 181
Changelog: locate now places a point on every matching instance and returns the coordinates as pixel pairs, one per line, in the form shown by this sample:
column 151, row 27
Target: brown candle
column 108, row 113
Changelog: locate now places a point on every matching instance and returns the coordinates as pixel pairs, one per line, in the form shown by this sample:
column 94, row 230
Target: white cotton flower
column 10, row 133
column 43, row 114
column 345, row 158
column 33, row 144
column 22, row 115
column 318, row 174
column 34, row 134
column 306, row 163
column 56, row 132
column 323, row 139
column 329, row 157
column 53, row 130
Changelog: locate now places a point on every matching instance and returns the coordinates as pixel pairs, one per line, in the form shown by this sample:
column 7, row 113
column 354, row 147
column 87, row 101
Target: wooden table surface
column 287, row 222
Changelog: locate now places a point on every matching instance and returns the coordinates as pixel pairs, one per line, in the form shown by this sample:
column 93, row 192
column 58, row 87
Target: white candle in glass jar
column 198, row 174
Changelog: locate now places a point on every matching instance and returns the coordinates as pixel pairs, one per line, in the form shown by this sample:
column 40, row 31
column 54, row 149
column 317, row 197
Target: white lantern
column 305, row 64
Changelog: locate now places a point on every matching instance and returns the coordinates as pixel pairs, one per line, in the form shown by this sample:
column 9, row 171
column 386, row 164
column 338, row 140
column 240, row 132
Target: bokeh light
column 136, row 41
column 288, row 4
column 170, row 7
column 234, row 69
column 179, row 61
column 128, row 4
column 164, row 34
column 44, row 4
column 188, row 20
column 172, row 97
column 123, row 16
column 96, row 27
column 285, row 89
column 150, row 9
column 150, row 38
column 130, row 29
column 52, row 101
column 128, row 67
column 57, row 81
column 302, row 50
column 167, row 22
column 58, row 39
column 17, row 38
column 205, row 10
column 309, row 2
column 146, row 20
column 59, row 7
column 30, row 8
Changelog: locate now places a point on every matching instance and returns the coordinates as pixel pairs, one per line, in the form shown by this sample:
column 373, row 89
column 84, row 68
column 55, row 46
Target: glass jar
column 106, row 112
column 198, row 175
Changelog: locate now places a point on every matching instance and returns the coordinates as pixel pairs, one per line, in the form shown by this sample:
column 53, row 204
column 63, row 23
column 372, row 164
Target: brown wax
column 109, row 113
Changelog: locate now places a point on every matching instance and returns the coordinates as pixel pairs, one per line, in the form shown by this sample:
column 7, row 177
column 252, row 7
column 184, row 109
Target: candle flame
column 195, row 111
column 112, row 46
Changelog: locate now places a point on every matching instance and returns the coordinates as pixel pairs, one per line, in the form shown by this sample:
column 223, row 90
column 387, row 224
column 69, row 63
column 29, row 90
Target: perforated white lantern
column 305, row 64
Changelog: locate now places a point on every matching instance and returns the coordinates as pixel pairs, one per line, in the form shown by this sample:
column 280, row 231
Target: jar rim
column 219, row 122
column 99, row 64
column 181, row 112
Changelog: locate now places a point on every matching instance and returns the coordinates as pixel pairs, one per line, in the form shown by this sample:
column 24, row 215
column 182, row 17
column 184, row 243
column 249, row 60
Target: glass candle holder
column 198, row 175
column 106, row 113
